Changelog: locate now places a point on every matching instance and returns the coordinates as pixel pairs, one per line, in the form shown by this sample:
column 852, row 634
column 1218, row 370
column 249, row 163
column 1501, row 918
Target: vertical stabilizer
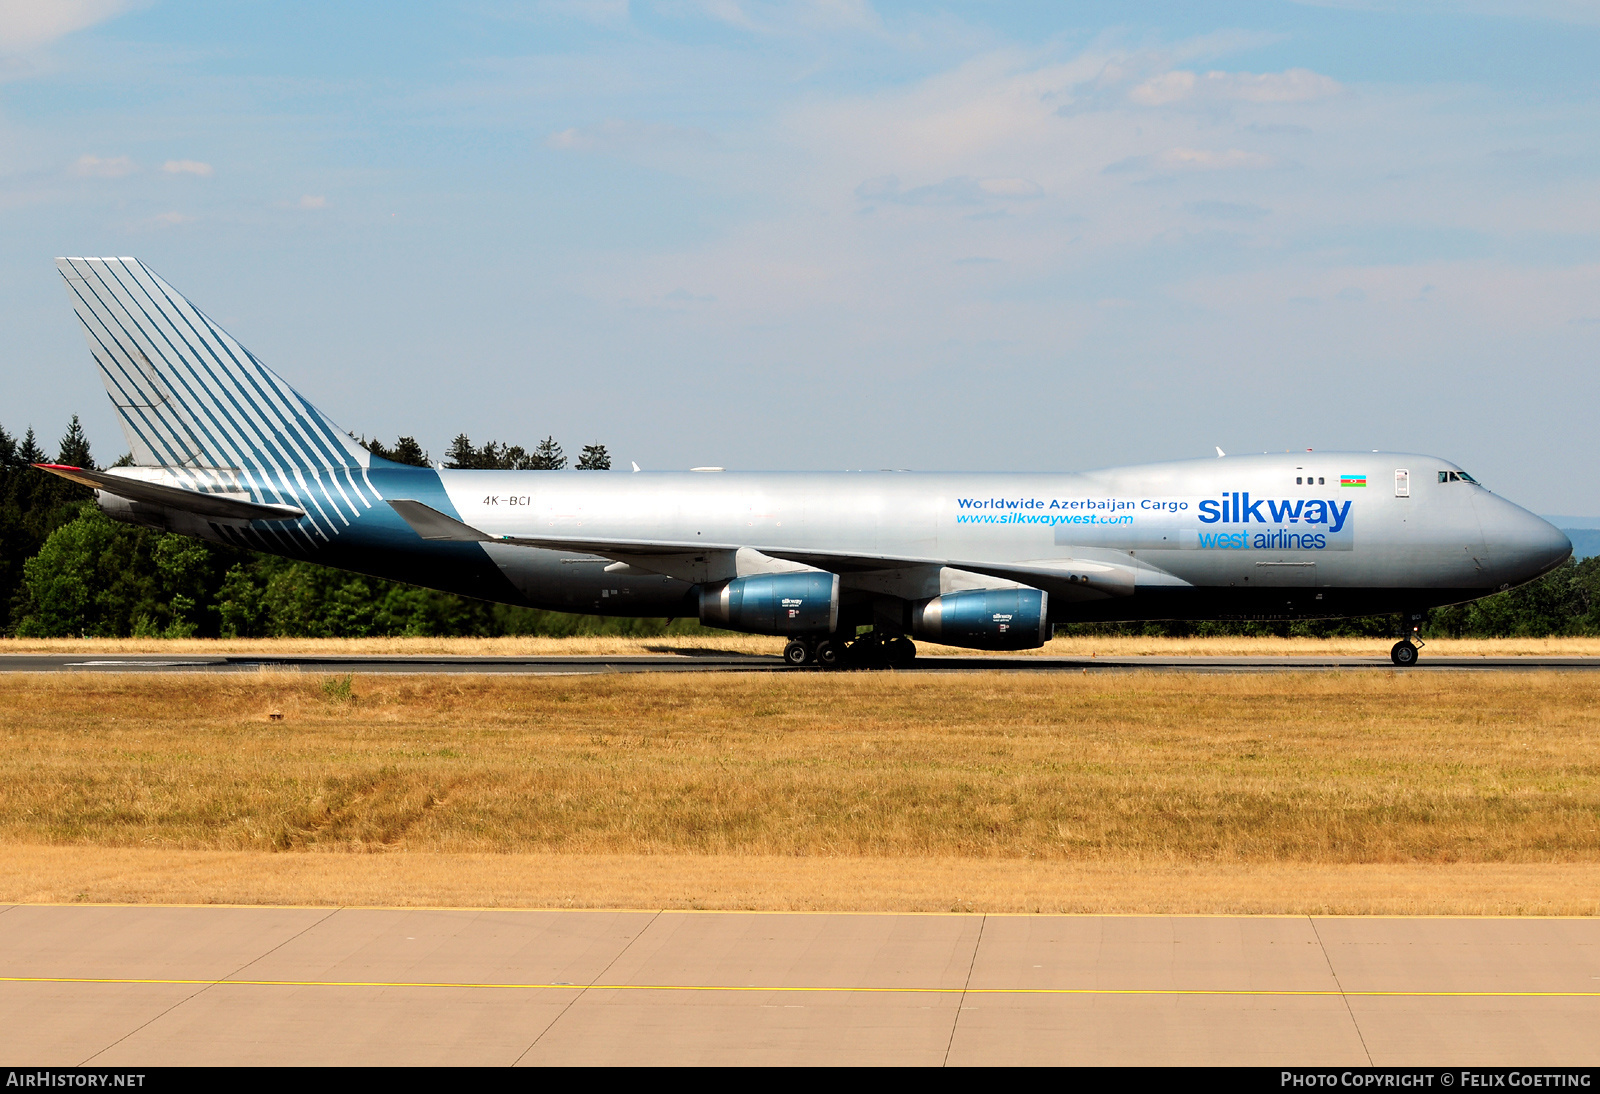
column 188, row 394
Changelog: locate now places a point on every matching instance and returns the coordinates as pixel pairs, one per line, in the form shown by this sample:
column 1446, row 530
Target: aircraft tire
column 899, row 652
column 796, row 653
column 1403, row 654
column 827, row 654
column 866, row 651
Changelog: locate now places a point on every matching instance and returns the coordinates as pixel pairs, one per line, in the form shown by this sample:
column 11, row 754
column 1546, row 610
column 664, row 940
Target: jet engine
column 985, row 619
column 806, row 602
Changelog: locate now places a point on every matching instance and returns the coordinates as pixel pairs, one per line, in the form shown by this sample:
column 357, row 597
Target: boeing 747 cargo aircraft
column 226, row 451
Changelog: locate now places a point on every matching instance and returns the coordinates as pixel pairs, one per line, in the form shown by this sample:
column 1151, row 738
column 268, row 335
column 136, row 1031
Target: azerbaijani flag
column 1352, row 480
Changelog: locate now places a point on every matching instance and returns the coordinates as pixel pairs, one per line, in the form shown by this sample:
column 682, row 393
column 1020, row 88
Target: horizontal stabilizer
column 429, row 523
column 203, row 504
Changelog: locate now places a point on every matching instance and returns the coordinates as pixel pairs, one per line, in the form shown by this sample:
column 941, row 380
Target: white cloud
column 114, row 167
column 725, row 11
column 684, row 296
column 28, row 24
column 599, row 12
column 312, row 201
column 845, row 14
column 1226, row 210
column 1195, row 159
column 1171, row 87
column 783, row 16
column 1208, row 159
column 187, row 167
column 1561, row 11
column 1296, row 85
column 617, row 135
column 961, row 190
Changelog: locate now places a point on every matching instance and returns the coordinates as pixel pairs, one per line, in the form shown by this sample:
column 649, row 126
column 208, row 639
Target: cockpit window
column 1456, row 476
column 1466, row 477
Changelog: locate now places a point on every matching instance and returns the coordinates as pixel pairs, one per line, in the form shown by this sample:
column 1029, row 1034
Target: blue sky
column 832, row 234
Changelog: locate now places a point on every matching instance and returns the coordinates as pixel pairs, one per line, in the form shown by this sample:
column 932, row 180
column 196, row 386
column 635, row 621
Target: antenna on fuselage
column 1220, row 453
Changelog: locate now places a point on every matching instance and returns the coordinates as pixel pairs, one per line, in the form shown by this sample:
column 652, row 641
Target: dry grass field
column 688, row 645
column 1357, row 792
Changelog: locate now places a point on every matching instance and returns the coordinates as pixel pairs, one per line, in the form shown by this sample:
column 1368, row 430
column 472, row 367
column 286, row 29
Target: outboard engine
column 806, row 602
column 985, row 619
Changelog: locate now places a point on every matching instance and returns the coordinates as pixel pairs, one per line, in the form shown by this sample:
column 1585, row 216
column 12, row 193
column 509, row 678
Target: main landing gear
column 1404, row 652
column 867, row 651
column 806, row 650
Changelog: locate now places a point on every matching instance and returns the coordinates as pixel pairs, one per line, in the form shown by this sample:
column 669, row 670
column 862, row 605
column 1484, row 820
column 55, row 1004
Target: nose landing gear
column 1404, row 652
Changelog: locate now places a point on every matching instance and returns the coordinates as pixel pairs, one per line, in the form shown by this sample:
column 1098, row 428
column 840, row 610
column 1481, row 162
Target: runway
column 712, row 661
column 150, row 986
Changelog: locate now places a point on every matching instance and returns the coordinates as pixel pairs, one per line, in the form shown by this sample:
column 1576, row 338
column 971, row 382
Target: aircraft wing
column 200, row 503
column 1074, row 579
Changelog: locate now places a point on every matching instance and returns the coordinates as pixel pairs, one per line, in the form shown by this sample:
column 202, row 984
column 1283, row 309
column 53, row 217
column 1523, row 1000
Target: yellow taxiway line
column 846, row 989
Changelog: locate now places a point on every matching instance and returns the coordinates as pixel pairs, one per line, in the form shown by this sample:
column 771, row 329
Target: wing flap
column 1073, row 579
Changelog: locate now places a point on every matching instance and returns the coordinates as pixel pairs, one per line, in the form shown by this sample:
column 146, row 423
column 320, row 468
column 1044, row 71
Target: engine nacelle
column 806, row 602
column 985, row 619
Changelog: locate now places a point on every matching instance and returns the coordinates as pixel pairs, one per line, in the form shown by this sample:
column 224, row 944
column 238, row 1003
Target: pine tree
column 594, row 458
column 548, row 456
column 75, row 447
column 407, row 450
column 461, row 453
column 29, row 451
column 8, row 449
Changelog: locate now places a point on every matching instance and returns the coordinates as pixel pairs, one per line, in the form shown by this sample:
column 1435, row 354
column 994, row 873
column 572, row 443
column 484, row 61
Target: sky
column 837, row 234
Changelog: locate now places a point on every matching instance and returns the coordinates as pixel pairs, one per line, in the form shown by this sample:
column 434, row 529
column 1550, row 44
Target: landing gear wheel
column 827, row 654
column 1403, row 654
column 899, row 652
column 866, row 651
column 796, row 653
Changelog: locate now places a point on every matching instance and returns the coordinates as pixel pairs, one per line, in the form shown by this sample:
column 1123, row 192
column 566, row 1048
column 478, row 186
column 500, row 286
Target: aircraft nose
column 1526, row 545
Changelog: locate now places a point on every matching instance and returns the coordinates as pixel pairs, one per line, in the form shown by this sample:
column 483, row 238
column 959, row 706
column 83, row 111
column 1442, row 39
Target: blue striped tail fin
column 193, row 401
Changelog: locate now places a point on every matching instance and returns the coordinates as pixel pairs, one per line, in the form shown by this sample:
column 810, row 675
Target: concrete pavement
column 113, row 986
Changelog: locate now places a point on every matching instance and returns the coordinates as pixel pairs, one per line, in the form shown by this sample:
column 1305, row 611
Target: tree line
column 546, row 455
column 66, row 570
